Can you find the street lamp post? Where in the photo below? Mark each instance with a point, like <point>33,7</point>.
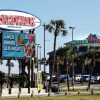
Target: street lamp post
<point>44,45</point>
<point>72,28</point>
<point>40,55</point>
<point>37,55</point>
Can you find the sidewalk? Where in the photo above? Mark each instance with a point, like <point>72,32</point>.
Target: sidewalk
<point>34,92</point>
<point>51,94</point>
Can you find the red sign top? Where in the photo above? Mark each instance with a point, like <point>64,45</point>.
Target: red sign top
<point>17,20</point>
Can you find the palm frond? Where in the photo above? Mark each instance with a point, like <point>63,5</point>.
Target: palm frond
<point>61,23</point>
<point>57,26</point>
<point>49,28</point>
<point>53,22</point>
<point>64,32</point>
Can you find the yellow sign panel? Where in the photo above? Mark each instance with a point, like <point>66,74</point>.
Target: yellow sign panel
<point>39,77</point>
<point>39,88</point>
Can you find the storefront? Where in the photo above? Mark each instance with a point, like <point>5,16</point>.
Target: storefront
<point>91,42</point>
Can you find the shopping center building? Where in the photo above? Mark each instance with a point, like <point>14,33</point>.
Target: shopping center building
<point>86,47</point>
<point>90,46</point>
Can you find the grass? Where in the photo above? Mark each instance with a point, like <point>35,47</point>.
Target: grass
<point>84,90</point>
<point>81,97</point>
<point>84,84</point>
<point>77,89</point>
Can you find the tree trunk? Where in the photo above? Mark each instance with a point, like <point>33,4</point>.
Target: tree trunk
<point>19,75</point>
<point>29,76</point>
<point>66,64</point>
<point>23,72</point>
<point>54,56</point>
<point>0,88</point>
<point>51,67</point>
<point>91,70</point>
<point>58,75</point>
<point>54,52</point>
<point>73,73</point>
<point>9,83</point>
<point>82,74</point>
<point>9,69</point>
<point>32,73</point>
<point>68,80</point>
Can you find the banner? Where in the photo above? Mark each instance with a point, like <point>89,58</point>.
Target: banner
<point>92,39</point>
<point>39,77</point>
<point>18,45</point>
<point>40,88</point>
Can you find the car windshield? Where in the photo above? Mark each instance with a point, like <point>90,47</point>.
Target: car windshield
<point>85,76</point>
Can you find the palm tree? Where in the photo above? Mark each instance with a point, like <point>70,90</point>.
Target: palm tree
<point>71,54</point>
<point>84,62</point>
<point>2,75</point>
<point>32,72</point>
<point>9,64</point>
<point>2,80</point>
<point>57,64</point>
<point>92,65</point>
<point>57,27</point>
<point>67,70</point>
<point>22,71</point>
<point>64,58</point>
<point>29,65</point>
<point>89,58</point>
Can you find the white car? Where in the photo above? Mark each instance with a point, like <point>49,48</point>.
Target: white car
<point>48,77</point>
<point>97,78</point>
<point>78,77</point>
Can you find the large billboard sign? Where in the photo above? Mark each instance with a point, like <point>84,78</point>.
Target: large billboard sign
<point>18,20</point>
<point>18,45</point>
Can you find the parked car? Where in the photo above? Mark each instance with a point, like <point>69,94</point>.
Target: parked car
<point>97,78</point>
<point>83,78</point>
<point>92,79</point>
<point>78,77</point>
<point>54,78</point>
<point>69,79</point>
<point>64,79</point>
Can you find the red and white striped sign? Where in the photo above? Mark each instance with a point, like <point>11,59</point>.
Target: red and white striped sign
<point>17,20</point>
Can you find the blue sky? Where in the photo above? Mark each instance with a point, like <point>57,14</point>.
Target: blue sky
<point>84,15</point>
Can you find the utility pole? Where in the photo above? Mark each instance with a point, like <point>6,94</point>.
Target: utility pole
<point>37,56</point>
<point>44,54</point>
<point>44,47</point>
<point>40,56</point>
<point>72,28</point>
